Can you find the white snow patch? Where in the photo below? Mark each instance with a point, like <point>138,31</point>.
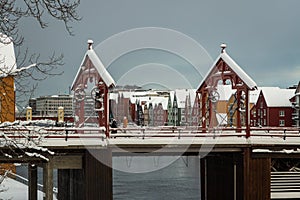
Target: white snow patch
<point>12,189</point>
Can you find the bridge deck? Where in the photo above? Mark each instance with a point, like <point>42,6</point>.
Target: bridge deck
<point>262,140</point>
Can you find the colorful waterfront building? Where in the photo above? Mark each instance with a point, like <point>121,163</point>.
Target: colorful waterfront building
<point>273,108</point>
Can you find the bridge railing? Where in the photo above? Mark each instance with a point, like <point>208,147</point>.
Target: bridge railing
<point>143,132</point>
<point>194,131</point>
<point>52,132</point>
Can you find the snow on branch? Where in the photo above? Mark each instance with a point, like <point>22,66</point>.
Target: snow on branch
<point>15,72</point>
<point>23,138</point>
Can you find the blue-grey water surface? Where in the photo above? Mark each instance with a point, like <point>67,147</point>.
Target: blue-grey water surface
<point>179,180</point>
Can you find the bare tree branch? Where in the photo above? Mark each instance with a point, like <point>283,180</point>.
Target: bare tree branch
<point>11,11</point>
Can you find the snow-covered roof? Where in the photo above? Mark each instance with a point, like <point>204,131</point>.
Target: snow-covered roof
<point>7,54</point>
<point>234,67</point>
<point>160,100</point>
<point>181,95</point>
<point>106,77</point>
<point>277,97</point>
<point>145,97</point>
<point>253,95</point>
<point>238,70</point>
<point>108,80</point>
<point>113,96</point>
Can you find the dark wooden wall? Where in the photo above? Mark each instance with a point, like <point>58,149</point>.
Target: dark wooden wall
<point>257,177</point>
<point>219,180</point>
<point>70,184</point>
<point>94,181</point>
<point>252,175</point>
<point>98,176</point>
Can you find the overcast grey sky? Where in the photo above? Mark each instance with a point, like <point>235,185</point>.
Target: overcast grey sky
<point>262,36</point>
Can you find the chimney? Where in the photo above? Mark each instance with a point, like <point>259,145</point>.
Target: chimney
<point>223,47</point>
<point>90,43</point>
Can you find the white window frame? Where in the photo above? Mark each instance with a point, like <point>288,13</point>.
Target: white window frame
<point>281,122</point>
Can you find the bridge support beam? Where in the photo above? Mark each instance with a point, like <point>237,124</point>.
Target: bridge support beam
<point>71,184</point>
<point>98,174</point>
<point>235,176</point>
<point>32,185</point>
<point>257,177</point>
<point>221,177</point>
<point>87,177</point>
<point>48,181</point>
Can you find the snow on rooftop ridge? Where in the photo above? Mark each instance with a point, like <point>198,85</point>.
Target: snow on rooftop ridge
<point>234,66</point>
<point>109,81</point>
<point>90,43</point>
<point>239,71</point>
<point>107,78</point>
<point>7,55</point>
<point>277,97</point>
<point>254,94</point>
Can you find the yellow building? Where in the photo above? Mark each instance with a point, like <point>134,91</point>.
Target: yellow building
<point>7,87</point>
<point>7,99</point>
<point>232,112</point>
<point>225,92</point>
<point>232,107</point>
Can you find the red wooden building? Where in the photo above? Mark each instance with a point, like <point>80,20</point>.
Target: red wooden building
<point>227,72</point>
<point>90,87</point>
<point>273,108</point>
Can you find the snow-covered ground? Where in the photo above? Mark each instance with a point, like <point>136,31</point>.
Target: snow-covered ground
<point>14,190</point>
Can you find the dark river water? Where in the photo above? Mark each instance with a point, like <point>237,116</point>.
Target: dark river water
<point>178,180</point>
<point>163,177</point>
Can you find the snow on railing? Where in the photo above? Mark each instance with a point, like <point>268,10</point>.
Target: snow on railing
<point>195,131</point>
<point>33,133</point>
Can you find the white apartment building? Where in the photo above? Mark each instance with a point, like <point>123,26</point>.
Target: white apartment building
<point>48,105</point>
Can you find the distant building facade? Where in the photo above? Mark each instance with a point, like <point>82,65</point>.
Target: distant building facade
<point>48,105</point>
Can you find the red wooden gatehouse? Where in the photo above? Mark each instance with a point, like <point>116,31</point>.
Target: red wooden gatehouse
<point>90,87</point>
<point>227,72</point>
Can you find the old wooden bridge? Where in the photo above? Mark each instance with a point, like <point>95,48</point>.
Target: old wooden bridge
<point>233,166</point>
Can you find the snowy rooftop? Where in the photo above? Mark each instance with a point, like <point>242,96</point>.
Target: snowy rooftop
<point>277,97</point>
<point>7,54</point>
<point>181,96</point>
<point>234,67</point>
<point>107,78</point>
<point>253,95</point>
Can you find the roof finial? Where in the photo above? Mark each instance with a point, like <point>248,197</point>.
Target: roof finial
<point>90,43</point>
<point>223,47</point>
